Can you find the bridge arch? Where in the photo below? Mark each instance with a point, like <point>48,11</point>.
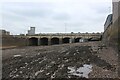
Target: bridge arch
<point>89,39</point>
<point>54,41</point>
<point>44,41</point>
<point>33,41</point>
<point>94,39</point>
<point>66,40</point>
<point>77,39</point>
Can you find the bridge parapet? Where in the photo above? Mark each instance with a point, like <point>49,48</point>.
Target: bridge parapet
<point>64,34</point>
<point>59,38</point>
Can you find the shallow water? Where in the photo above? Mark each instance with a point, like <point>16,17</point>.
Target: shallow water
<point>81,71</point>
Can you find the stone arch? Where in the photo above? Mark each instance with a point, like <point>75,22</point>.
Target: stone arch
<point>44,41</point>
<point>66,40</point>
<point>77,39</point>
<point>54,41</point>
<point>33,41</point>
<point>89,39</point>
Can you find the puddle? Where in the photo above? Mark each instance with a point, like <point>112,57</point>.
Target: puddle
<point>81,71</point>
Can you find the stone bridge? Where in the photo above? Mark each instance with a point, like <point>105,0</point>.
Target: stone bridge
<point>61,38</point>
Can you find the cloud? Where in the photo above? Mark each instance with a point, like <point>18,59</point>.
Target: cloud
<point>61,16</point>
<point>51,16</point>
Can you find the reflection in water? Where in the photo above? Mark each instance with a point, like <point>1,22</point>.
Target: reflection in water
<point>81,71</point>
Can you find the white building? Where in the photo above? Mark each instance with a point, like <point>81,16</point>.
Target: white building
<point>31,31</point>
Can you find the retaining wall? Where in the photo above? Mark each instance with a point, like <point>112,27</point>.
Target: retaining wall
<point>112,33</point>
<point>13,41</point>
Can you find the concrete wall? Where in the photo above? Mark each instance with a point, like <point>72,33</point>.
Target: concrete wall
<point>115,11</point>
<point>13,41</point>
<point>119,24</point>
<point>110,35</point>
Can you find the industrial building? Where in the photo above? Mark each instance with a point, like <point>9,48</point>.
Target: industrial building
<point>31,31</point>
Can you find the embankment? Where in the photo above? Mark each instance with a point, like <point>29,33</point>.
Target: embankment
<point>10,41</point>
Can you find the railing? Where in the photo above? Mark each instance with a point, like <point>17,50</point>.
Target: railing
<point>67,34</point>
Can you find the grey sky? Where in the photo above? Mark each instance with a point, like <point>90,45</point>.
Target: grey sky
<point>50,16</point>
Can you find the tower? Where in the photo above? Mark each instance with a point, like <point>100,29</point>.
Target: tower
<point>31,31</point>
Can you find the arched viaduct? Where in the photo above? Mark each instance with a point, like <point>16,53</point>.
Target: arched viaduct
<point>52,39</point>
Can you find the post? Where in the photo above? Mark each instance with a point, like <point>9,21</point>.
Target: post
<point>60,40</point>
<point>38,41</point>
<point>70,40</point>
<point>73,40</point>
<point>49,41</point>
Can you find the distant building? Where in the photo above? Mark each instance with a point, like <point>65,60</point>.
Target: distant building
<point>108,21</point>
<point>4,32</point>
<point>31,31</point>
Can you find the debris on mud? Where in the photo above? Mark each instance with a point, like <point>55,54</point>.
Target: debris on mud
<point>81,71</point>
<point>59,61</point>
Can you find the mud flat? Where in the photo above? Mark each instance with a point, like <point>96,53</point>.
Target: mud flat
<point>79,60</point>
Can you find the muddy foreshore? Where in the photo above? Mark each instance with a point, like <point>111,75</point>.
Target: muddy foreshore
<point>60,61</point>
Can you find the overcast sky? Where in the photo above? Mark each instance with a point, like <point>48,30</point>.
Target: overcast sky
<point>51,16</point>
